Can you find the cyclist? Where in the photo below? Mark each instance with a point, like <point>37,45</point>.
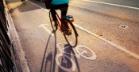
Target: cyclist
<point>63,6</point>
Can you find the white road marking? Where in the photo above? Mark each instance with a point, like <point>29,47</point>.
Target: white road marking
<point>97,36</point>
<point>111,43</point>
<point>46,29</point>
<point>124,6</point>
<point>80,51</point>
<point>66,58</point>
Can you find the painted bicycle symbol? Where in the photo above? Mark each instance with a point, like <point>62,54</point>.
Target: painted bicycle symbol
<point>64,56</point>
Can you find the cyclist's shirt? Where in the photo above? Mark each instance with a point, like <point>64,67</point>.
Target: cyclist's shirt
<point>59,2</point>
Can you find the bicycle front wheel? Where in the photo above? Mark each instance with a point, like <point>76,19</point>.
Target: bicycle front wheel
<point>73,38</point>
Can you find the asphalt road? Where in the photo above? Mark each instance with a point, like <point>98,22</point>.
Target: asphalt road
<point>110,32</point>
<point>133,3</point>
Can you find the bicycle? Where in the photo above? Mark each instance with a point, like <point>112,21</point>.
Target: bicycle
<point>69,19</point>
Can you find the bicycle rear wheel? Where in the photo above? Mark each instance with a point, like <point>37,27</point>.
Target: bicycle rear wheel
<point>73,38</point>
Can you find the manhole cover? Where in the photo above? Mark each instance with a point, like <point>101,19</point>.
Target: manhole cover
<point>123,26</point>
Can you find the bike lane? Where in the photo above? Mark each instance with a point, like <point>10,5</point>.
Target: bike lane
<point>108,57</point>
<point>33,27</point>
<point>93,55</point>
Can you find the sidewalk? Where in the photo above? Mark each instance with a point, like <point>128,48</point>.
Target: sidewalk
<point>20,59</point>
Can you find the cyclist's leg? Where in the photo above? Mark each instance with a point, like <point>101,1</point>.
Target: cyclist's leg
<point>53,13</point>
<point>65,27</point>
<point>64,10</point>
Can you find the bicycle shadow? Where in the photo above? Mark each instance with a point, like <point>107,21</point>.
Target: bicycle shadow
<point>48,61</point>
<point>65,62</point>
<point>47,58</point>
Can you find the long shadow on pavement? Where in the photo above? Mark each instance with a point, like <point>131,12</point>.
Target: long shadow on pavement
<point>49,59</point>
<point>66,62</point>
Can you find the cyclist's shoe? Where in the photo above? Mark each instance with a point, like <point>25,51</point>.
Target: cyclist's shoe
<point>65,29</point>
<point>67,32</point>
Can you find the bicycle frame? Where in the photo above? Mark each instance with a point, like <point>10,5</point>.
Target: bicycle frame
<point>58,19</point>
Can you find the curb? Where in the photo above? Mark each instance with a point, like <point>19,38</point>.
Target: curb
<point>20,60</point>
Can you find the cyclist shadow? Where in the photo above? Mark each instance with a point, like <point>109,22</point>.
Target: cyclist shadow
<point>48,61</point>
<point>66,62</point>
<point>47,58</point>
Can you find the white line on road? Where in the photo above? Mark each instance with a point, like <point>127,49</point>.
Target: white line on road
<point>46,29</point>
<point>131,7</point>
<point>99,37</point>
<point>111,43</point>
